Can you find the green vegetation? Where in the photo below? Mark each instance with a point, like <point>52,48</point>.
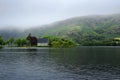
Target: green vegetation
<point>86,31</point>
<point>114,42</point>
<point>60,42</point>
<point>1,47</point>
<point>10,41</point>
<point>1,41</point>
<point>13,42</point>
<point>21,42</point>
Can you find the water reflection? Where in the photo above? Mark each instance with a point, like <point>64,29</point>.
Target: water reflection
<point>98,62</point>
<point>83,63</point>
<point>87,55</point>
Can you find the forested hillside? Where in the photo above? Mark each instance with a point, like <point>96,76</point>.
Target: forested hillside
<point>85,30</point>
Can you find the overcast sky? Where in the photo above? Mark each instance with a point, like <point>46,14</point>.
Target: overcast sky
<point>27,13</point>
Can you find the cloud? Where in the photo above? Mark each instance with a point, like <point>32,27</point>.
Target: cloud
<point>3,8</point>
<point>38,12</point>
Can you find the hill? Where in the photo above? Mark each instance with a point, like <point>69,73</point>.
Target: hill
<point>84,30</point>
<point>9,33</point>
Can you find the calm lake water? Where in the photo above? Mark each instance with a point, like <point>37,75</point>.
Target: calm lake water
<point>81,63</point>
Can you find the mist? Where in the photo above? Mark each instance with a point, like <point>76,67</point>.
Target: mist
<point>25,14</point>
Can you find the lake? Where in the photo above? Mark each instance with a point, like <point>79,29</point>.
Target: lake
<point>81,63</point>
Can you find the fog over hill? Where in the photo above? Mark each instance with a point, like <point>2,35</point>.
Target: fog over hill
<point>85,28</point>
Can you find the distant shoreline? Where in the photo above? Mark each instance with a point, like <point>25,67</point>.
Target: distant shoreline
<point>55,48</point>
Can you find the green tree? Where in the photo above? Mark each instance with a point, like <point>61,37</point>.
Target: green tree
<point>60,42</point>
<point>10,41</point>
<point>21,42</point>
<point>1,41</point>
<point>24,42</point>
<point>18,42</point>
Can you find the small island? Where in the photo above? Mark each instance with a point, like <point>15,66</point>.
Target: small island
<point>33,41</point>
<point>53,41</point>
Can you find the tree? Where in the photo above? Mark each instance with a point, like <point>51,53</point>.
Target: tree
<point>1,40</point>
<point>18,42</point>
<point>116,41</point>
<point>60,42</point>
<point>21,42</point>
<point>24,42</point>
<point>10,41</point>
